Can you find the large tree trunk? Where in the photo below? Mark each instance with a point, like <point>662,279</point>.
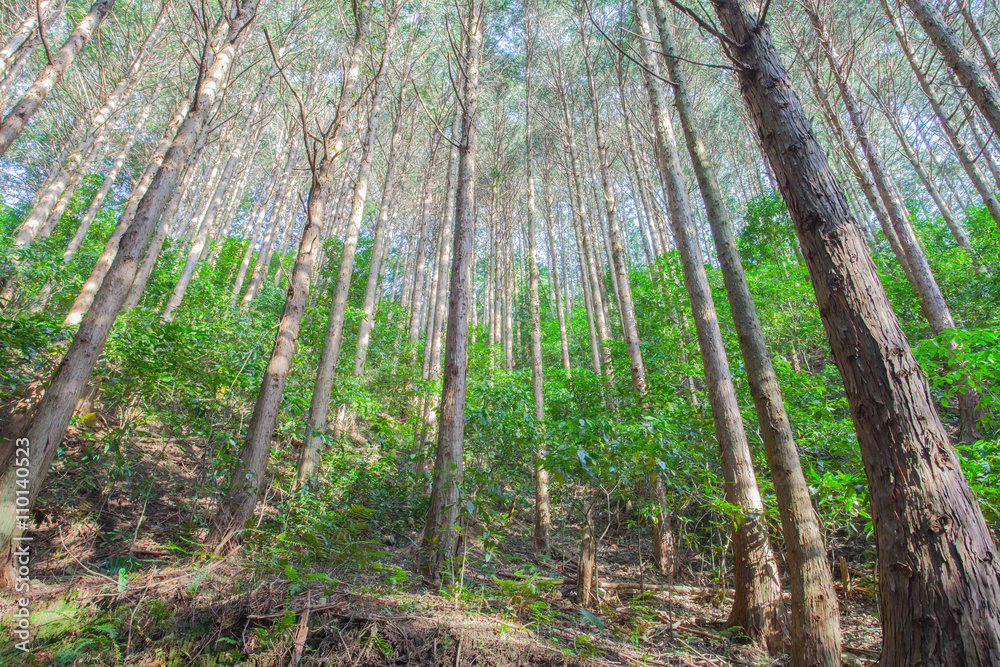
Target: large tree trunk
<point>109,180</point>
<point>433,342</point>
<point>47,427</point>
<point>22,112</point>
<point>757,596</point>
<point>938,568</point>
<point>89,289</point>
<point>441,530</point>
<point>815,622</point>
<point>42,218</point>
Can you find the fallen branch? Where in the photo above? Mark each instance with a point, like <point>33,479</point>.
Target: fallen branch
<point>301,633</point>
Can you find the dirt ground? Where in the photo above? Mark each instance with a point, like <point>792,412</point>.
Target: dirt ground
<point>111,587</point>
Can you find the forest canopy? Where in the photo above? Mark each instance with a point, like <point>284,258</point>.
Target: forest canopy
<point>651,332</point>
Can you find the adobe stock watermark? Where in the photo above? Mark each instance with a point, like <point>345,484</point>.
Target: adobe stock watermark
<point>21,545</point>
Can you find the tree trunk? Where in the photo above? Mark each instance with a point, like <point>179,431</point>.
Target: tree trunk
<point>936,559</point>
<point>433,343</point>
<point>273,230</point>
<point>22,36</point>
<point>665,556</point>
<point>932,302</point>
<point>240,500</point>
<point>197,249</point>
<point>22,112</point>
<point>976,176</point>
<point>815,623</point>
<point>241,272</point>
<point>757,602</point>
<point>109,179</point>
<point>600,321</point>
<point>961,62</point>
<point>53,202</point>
<point>330,353</point>
<point>557,286</point>
<point>861,175</point>
<point>441,529</point>
<point>93,283</point>
<point>586,566</point>
<point>153,251</point>
<point>985,47</point>
<point>620,280</point>
<point>957,230</point>
<point>543,518</point>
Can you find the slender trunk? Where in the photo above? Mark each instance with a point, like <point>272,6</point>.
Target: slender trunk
<point>587,290</point>
<point>757,596</point>
<point>983,150</point>
<point>961,62</point>
<point>665,553</point>
<point>42,218</point>
<point>417,287</point>
<point>443,258</point>
<point>20,58</point>
<point>860,174</point>
<point>22,112</point>
<point>626,309</point>
<point>557,286</point>
<point>273,230</point>
<point>932,302</point>
<point>94,282</point>
<point>441,530</point>
<point>586,568</point>
<point>600,321</point>
<point>25,30</point>
<point>197,249</point>
<point>330,352</point>
<point>957,230</point>
<point>543,515</point>
<point>815,623</point>
<point>936,559</point>
<point>988,53</point>
<point>162,229</point>
<point>241,273</point>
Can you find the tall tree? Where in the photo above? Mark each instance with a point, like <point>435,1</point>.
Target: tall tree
<point>441,529</point>
<point>936,558</point>
<point>815,627</point>
<point>757,595</point>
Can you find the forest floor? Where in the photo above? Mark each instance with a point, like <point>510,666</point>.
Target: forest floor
<point>111,586</point>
